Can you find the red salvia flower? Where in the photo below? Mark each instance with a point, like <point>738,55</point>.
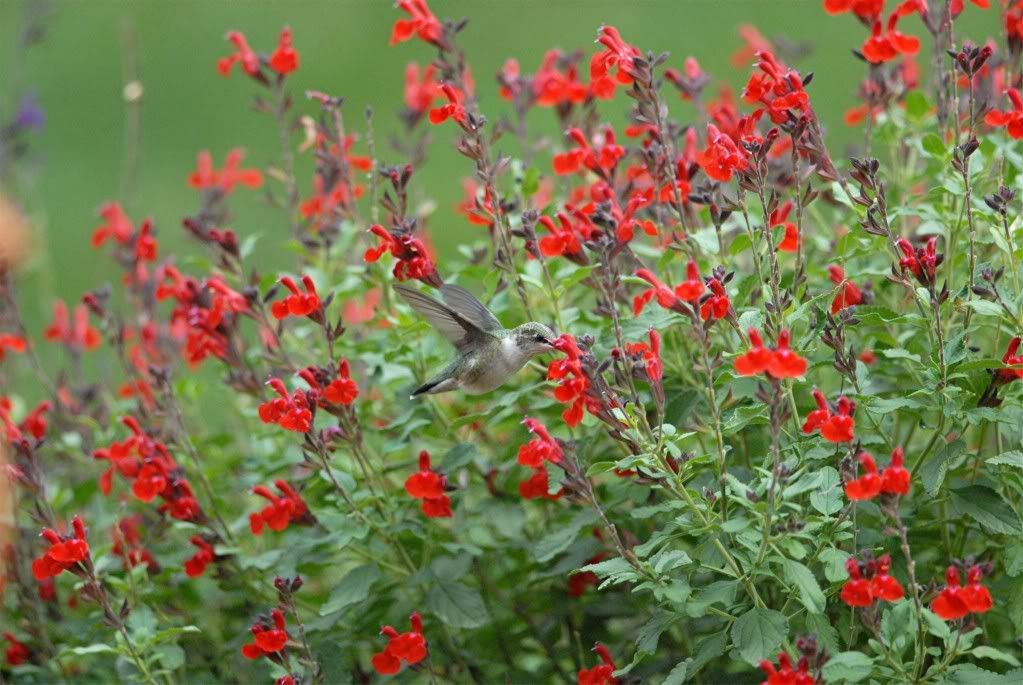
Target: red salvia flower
<point>921,262</point>
<point>756,359</point>
<point>454,109</point>
<point>409,647</point>
<point>282,510</point>
<point>413,257</point>
<point>784,362</point>
<point>541,448</point>
<point>291,412</point>
<point>298,303</point>
<point>196,565</point>
<point>778,88</point>
<point>64,553</point>
<point>785,674</point>
<point>865,10</point>
<point>950,604</point>
<point>722,157</point>
<point>563,239</point>
<point>976,597</point>
<point>267,638</point>
<point>602,674</point>
<point>884,586</point>
<point>617,55</point>
<point>717,305</point>
<point>573,384</point>
<point>692,288</point>
<point>226,179</point>
<point>779,217</point>
<point>421,22</point>
<point>866,486</point>
<point>16,652</point>
<point>837,427</point>
<point>888,44</point>
<point>78,334</point>
<point>856,591</point>
<point>242,55</point>
<point>603,158</point>
<point>284,59</point>
<point>849,294</point>
<point>341,390</point>
<point>429,486</point>
<point>650,355</point>
<point>420,88</point>
<point>895,479</point>
<point>537,486</point>
<point>1011,119</point>
<point>1012,359</point>
<point>11,343</point>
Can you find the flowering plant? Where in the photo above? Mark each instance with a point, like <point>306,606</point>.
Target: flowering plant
<point>684,485</point>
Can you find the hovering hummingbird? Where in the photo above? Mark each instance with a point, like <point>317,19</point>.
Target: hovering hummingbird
<point>488,353</point>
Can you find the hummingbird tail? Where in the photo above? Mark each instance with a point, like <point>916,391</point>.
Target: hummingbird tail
<point>433,386</point>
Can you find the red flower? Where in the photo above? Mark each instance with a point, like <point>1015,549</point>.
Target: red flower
<point>284,59</point>
<point>563,239</point>
<point>691,288</point>
<point>976,597</point>
<point>118,226</point>
<point>149,482</point>
<point>243,54</point>
<point>895,479</point>
<point>786,675</point>
<point>64,553</point>
<point>837,427</point>
<point>780,362</point>
<point>413,258</point>
<point>617,54</point>
<point>282,510</point>
<point>341,390</point>
<point>856,591</point>
<point>950,603</point>
<point>866,486</point>
<point>1012,119</point>
<point>602,159</point>
<point>537,486</point>
<point>666,297</point>
<point>889,44</point>
<point>429,486</point>
<point>421,22</point>
<point>454,109</point>
<point>756,359</point>
<point>777,87</point>
<point>717,305</point>
<point>922,262</point>
<point>16,652</point>
<point>298,303</point>
<point>650,355</point>
<point>196,565</point>
<point>849,295</point>
<point>865,10</point>
<point>574,384</point>
<point>602,673</point>
<point>884,586</point>
<point>290,412</point>
<point>541,448</point>
<point>14,343</point>
<point>79,335</point>
<point>226,179</point>
<point>267,638</point>
<point>1011,359</point>
<point>722,157</point>
<point>790,242</point>
<point>420,94</point>
<point>409,647</point>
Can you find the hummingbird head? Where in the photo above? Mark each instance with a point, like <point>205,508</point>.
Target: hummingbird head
<point>533,338</point>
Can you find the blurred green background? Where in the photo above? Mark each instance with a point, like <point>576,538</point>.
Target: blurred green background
<point>78,75</point>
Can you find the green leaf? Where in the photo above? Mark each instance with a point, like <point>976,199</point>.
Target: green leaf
<point>986,507</point>
<point>457,605</point>
<point>917,106</point>
<point>678,674</point>
<point>758,633</point>
<point>557,542</point>
<point>827,497</point>
<point>985,652</point>
<point>1013,458</point>
<point>847,667</point>
<point>1014,558</point>
<point>932,473</point>
<point>985,308</point>
<point>810,593</point>
<point>834,564</point>
<point>530,181</point>
<point>708,648</point>
<point>821,626</point>
<point>720,591</point>
<point>650,632</point>
<point>933,146</point>
<point>97,648</point>
<point>353,588</point>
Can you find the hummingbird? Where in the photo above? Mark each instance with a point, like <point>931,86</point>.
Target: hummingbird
<point>488,353</point>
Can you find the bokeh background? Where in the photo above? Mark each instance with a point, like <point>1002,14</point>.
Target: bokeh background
<point>78,74</point>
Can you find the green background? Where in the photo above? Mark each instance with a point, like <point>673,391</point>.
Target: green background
<point>78,74</point>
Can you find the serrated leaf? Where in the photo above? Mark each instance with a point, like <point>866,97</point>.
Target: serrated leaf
<point>353,588</point>
<point>758,633</point>
<point>827,498</point>
<point>810,593</point>
<point>457,605</point>
<point>678,675</point>
<point>558,541</point>
<point>986,507</point>
<point>1013,458</point>
<point>847,667</point>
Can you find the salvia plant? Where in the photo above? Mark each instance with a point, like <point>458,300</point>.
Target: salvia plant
<point>756,415</point>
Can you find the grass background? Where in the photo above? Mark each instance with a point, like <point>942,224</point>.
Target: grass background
<point>78,75</point>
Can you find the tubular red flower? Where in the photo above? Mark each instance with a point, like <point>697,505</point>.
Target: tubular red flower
<point>895,479</point>
<point>409,647</point>
<point>602,674</point>
<point>284,59</point>
<point>950,604</point>
<point>421,23</point>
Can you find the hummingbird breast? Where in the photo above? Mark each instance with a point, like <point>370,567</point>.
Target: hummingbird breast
<point>487,368</point>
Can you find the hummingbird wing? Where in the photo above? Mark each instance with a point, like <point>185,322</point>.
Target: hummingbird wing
<point>460,331</point>
<point>466,304</point>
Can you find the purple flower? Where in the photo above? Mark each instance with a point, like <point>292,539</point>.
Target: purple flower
<point>30,114</point>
